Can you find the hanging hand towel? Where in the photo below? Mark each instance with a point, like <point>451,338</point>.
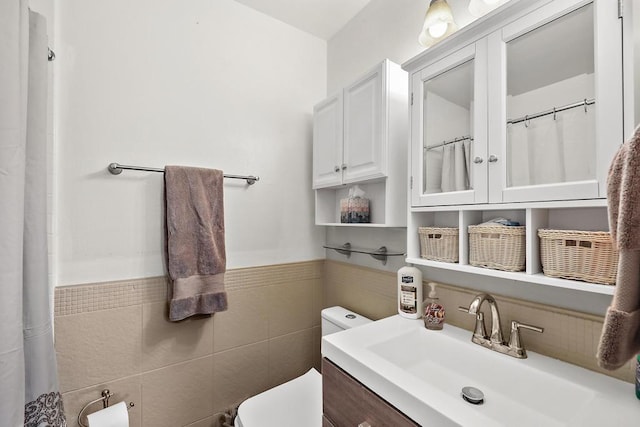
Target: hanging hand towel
<point>620,339</point>
<point>195,241</point>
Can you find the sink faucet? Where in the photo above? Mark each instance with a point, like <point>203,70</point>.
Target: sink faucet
<point>474,308</point>
<point>495,342</point>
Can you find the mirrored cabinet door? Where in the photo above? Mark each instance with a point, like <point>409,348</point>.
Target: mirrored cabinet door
<point>449,130</point>
<point>557,117</point>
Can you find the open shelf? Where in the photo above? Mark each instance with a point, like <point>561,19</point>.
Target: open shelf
<point>585,215</point>
<point>537,278</point>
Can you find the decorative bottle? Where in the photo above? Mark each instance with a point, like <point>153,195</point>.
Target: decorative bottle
<point>433,310</point>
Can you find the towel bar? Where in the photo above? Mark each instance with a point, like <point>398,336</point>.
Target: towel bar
<point>116,169</point>
<point>380,254</point>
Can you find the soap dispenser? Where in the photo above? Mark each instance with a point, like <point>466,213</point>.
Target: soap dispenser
<point>433,310</point>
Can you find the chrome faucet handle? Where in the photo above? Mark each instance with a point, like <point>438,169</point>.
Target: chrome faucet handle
<point>480,330</point>
<point>515,342</point>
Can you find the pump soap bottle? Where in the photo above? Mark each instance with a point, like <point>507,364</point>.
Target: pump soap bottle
<point>410,292</point>
<point>433,310</point>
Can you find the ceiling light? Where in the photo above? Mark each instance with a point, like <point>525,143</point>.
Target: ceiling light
<point>438,23</point>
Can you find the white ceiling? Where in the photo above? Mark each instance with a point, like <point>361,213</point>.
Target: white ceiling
<point>322,18</point>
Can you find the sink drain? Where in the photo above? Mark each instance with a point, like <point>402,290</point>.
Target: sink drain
<point>473,395</point>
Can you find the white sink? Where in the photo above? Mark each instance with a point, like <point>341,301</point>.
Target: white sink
<point>422,373</point>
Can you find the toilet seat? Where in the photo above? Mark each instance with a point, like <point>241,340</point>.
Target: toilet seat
<point>295,403</point>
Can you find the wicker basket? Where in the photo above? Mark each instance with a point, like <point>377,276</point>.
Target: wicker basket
<point>439,243</point>
<point>580,255</point>
<point>499,247</point>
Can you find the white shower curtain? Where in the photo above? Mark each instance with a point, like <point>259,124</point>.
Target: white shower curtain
<point>30,395</point>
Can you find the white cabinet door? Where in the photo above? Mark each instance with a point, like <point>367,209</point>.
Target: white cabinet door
<point>555,103</point>
<point>365,127</point>
<point>327,142</point>
<point>449,130</point>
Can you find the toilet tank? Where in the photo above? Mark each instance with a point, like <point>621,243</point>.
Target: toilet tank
<point>336,319</point>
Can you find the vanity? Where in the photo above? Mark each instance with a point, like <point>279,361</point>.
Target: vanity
<point>394,372</point>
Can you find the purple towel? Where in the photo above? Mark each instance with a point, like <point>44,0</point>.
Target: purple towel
<point>195,241</point>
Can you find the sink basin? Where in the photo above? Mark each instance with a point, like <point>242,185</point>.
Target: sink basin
<point>422,373</point>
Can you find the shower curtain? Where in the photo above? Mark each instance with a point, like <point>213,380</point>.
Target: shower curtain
<point>549,150</point>
<point>30,395</point>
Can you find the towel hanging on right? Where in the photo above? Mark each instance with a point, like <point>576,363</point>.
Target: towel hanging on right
<point>620,339</point>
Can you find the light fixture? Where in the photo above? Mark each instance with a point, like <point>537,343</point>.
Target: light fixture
<point>438,23</point>
<point>482,7</point>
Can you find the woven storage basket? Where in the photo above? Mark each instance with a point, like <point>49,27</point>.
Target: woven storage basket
<point>499,247</point>
<point>439,243</point>
<point>579,255</point>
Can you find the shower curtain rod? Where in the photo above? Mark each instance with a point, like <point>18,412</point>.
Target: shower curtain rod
<point>553,111</point>
<point>443,143</point>
<point>116,169</point>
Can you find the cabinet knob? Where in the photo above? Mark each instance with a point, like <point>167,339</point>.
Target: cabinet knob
<point>492,159</point>
<point>344,166</point>
<point>336,168</point>
<point>364,424</point>
<point>478,160</point>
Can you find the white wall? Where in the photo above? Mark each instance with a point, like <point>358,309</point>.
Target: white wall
<point>383,29</point>
<point>200,83</point>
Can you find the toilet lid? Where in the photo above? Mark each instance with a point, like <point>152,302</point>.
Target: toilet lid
<point>293,404</point>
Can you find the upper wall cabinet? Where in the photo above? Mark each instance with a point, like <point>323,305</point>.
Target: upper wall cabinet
<point>449,128</point>
<point>528,110</point>
<point>327,142</point>
<point>360,137</point>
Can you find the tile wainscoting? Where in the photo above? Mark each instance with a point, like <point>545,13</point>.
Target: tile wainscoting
<point>116,335</point>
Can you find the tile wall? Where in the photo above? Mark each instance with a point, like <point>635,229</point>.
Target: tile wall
<point>116,335</point>
<point>568,335</point>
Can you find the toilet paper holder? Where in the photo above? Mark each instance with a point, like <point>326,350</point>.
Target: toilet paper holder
<point>106,394</point>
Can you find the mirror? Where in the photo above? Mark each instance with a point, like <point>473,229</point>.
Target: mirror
<point>550,97</point>
<point>448,130</point>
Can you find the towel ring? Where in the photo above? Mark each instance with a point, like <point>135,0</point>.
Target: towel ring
<point>106,394</point>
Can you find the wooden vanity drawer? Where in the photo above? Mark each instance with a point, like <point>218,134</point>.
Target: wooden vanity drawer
<point>347,403</point>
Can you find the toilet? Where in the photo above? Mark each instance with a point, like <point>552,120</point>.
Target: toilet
<point>298,402</point>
